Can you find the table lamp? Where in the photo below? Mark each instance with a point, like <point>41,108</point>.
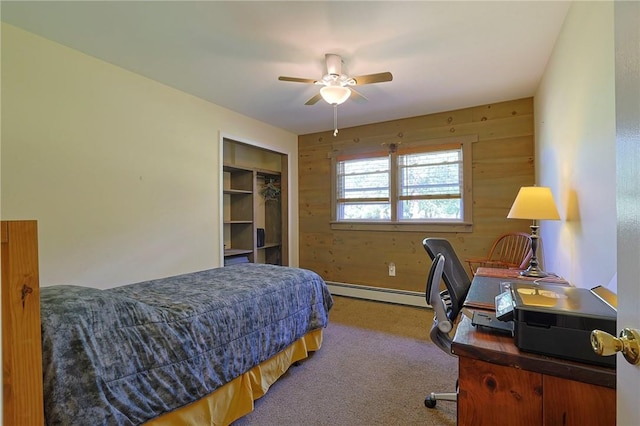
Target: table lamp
<point>534,203</point>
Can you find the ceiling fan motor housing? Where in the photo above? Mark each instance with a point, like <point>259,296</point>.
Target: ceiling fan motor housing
<point>334,64</point>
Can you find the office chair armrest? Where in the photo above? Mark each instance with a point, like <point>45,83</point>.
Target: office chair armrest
<point>441,309</point>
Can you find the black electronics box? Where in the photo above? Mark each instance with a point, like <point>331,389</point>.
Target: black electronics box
<point>557,320</point>
<point>260,237</point>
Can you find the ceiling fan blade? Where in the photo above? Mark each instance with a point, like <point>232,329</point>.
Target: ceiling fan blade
<point>373,78</point>
<point>297,80</point>
<point>315,98</point>
<point>357,96</point>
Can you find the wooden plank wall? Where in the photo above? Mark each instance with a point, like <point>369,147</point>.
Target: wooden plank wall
<point>502,163</point>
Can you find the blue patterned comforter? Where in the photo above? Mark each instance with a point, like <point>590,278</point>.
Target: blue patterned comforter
<point>128,354</point>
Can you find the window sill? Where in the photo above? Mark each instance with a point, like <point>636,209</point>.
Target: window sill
<point>403,226</point>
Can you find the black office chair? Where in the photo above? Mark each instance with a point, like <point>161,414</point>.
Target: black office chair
<point>454,275</point>
<point>447,303</point>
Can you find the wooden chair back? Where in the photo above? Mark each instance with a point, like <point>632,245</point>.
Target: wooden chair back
<point>510,250</point>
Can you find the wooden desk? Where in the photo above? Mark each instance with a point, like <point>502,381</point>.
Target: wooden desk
<point>499,384</point>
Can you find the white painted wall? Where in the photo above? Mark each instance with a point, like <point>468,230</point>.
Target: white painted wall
<point>576,147</point>
<point>121,172</point>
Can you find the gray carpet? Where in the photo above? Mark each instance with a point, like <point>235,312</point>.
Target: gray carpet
<point>375,367</point>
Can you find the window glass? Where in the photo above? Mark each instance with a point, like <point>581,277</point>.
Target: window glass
<point>366,211</point>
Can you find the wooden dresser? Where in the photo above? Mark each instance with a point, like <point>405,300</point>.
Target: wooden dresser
<point>21,337</point>
<point>499,384</point>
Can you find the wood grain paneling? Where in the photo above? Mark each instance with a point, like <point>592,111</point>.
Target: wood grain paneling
<point>503,161</point>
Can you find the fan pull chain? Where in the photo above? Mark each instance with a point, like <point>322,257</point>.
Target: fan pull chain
<point>335,120</point>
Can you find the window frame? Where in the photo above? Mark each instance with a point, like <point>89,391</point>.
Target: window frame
<point>393,151</point>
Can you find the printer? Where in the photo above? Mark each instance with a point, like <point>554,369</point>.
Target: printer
<point>557,320</point>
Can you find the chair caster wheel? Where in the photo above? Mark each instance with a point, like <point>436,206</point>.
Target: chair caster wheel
<point>429,402</point>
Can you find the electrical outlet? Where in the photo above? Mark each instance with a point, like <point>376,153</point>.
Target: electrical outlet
<point>392,269</point>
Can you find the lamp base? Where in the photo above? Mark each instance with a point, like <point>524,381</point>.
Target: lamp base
<point>534,272</point>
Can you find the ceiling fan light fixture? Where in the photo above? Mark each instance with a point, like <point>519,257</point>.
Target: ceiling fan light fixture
<point>335,95</point>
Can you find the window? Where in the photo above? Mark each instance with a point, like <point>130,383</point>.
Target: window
<point>423,183</point>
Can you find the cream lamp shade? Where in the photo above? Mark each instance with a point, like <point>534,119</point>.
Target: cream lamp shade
<point>534,202</point>
<point>335,95</point>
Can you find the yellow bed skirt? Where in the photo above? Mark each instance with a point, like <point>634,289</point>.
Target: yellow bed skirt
<point>235,399</point>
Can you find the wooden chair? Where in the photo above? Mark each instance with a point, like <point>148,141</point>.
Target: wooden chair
<point>509,251</point>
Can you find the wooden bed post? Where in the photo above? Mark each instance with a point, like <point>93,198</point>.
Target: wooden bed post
<point>21,338</point>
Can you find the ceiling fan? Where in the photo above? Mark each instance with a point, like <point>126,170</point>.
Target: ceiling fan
<point>336,87</point>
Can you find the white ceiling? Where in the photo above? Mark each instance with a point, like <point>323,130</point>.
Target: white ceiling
<point>443,55</point>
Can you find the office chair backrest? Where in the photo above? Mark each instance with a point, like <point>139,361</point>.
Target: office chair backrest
<point>454,274</point>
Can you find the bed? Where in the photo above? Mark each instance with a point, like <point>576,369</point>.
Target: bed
<point>191,349</point>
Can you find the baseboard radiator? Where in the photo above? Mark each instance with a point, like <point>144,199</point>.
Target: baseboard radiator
<point>401,297</point>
